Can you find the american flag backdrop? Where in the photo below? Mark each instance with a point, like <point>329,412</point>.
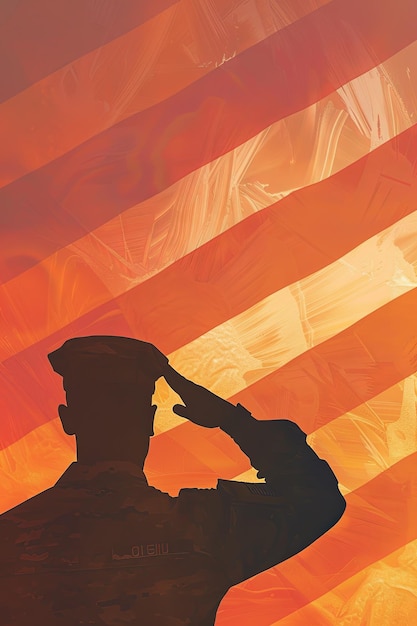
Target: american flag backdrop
<point>235,182</point>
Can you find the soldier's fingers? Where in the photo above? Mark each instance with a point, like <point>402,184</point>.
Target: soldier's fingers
<point>173,377</point>
<point>178,383</point>
<point>181,410</point>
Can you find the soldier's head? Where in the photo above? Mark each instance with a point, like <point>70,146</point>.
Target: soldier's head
<point>109,383</point>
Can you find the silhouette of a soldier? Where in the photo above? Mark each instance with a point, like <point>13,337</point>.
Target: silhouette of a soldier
<point>102,547</point>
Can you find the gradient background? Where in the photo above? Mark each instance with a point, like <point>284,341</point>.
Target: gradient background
<point>234,181</point>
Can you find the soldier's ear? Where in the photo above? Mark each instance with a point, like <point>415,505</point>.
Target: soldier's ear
<point>65,417</point>
<point>152,416</point>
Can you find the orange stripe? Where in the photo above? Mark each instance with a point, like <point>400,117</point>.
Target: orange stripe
<point>131,73</point>
<point>269,250</point>
<point>39,36</point>
<point>148,152</point>
<point>380,517</point>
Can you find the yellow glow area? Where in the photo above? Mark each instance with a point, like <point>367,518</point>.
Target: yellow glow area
<point>383,594</point>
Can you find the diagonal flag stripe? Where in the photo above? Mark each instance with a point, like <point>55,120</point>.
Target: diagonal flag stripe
<point>342,372</point>
<point>148,152</point>
<point>377,521</point>
<point>131,73</point>
<point>269,250</point>
<point>39,36</point>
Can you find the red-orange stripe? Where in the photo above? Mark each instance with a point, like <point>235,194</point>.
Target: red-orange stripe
<point>146,153</point>
<point>40,36</point>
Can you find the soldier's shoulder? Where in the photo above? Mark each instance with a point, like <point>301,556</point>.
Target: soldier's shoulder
<point>232,490</point>
<point>21,526</point>
<point>259,493</point>
<point>34,508</point>
<point>31,504</point>
<point>190,499</point>
<point>198,495</point>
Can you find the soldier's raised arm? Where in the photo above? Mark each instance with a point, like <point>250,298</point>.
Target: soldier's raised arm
<point>300,501</point>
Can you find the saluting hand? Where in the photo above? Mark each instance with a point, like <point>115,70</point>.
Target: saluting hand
<point>201,405</point>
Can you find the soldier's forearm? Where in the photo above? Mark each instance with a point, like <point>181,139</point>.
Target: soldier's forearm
<point>277,448</point>
<point>270,445</point>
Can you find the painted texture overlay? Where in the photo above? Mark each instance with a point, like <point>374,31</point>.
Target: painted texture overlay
<point>235,180</point>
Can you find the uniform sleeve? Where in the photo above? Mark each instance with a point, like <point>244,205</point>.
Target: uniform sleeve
<point>298,503</point>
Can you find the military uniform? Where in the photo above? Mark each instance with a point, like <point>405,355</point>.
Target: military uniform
<point>102,547</point>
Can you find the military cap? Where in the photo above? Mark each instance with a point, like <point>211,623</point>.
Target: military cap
<point>104,358</point>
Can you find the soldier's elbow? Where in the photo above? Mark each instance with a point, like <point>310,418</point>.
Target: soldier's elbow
<point>332,511</point>
<point>338,508</point>
<point>329,499</point>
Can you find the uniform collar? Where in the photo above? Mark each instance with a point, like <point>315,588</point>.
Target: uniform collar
<point>77,472</point>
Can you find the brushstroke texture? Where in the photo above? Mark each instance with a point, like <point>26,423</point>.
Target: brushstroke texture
<point>302,328</point>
